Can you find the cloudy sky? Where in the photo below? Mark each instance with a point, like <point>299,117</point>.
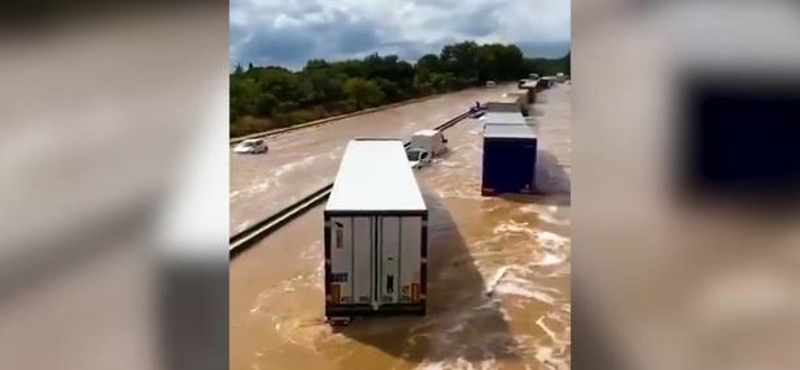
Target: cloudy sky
<point>289,32</point>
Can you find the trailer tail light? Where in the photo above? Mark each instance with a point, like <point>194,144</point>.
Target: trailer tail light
<point>335,296</point>
<point>415,293</point>
<point>339,235</point>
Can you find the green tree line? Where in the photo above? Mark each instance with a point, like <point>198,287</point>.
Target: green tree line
<point>267,97</point>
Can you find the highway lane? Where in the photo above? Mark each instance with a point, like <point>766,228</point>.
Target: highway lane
<point>301,161</point>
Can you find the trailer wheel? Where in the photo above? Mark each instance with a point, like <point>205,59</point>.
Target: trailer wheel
<point>339,321</point>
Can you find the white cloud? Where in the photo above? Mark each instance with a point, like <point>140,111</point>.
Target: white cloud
<point>273,31</point>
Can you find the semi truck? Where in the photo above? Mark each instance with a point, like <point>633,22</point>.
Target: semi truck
<point>376,239</point>
<point>509,102</point>
<point>509,159</point>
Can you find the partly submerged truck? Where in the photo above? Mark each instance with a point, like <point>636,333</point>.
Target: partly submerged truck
<point>509,158</point>
<point>424,145</point>
<point>376,239</point>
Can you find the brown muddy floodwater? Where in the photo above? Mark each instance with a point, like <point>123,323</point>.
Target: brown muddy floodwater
<point>500,276</point>
<point>304,160</point>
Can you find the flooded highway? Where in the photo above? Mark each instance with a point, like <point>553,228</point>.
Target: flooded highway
<point>499,270</point>
<point>304,160</point>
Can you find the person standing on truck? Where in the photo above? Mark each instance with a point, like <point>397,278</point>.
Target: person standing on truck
<point>475,108</point>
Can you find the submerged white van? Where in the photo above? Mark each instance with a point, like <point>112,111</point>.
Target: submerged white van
<point>425,145</point>
<point>432,141</point>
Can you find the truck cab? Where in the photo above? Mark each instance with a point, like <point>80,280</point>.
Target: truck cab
<point>431,141</point>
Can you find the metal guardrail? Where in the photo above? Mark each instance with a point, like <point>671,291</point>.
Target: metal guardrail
<point>239,241</point>
<point>242,240</point>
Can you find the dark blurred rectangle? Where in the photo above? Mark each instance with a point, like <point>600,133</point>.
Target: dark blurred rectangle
<point>742,136</point>
<point>113,189</point>
<point>685,184</point>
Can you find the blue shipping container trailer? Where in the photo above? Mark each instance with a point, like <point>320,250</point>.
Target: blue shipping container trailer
<point>509,159</point>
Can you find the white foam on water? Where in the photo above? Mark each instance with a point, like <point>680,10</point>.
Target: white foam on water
<point>260,301</point>
<point>480,243</point>
<point>495,279</point>
<point>457,328</point>
<point>274,177</point>
<point>258,188</point>
<point>459,364</point>
<point>313,251</point>
<point>284,286</point>
<point>512,289</point>
<point>440,365</point>
<point>545,356</point>
<point>471,194</point>
<point>506,315</point>
<point>550,259</point>
<point>550,333</point>
<point>512,226</point>
<point>447,163</point>
<point>551,241</point>
<point>547,214</point>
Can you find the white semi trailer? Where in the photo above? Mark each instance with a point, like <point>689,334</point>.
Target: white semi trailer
<point>375,234</point>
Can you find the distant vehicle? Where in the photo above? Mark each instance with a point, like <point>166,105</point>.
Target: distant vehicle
<point>251,146</point>
<point>533,76</point>
<point>545,83</point>
<point>418,158</point>
<point>376,238</point>
<point>432,141</point>
<point>490,83</point>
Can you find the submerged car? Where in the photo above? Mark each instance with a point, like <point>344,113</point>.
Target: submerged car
<point>418,157</point>
<point>251,146</point>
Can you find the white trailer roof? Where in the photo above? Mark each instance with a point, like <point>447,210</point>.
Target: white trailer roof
<point>508,103</point>
<point>375,175</point>
<point>507,98</point>
<point>503,117</point>
<point>517,131</point>
<point>427,132</point>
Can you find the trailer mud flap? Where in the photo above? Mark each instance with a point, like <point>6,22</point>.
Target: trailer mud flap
<point>336,294</point>
<point>414,293</point>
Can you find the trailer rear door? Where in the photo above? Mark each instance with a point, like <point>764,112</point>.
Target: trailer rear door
<point>399,259</point>
<point>508,165</point>
<point>376,260</point>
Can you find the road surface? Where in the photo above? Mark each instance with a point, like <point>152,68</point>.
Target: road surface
<point>499,294</point>
<point>301,161</point>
